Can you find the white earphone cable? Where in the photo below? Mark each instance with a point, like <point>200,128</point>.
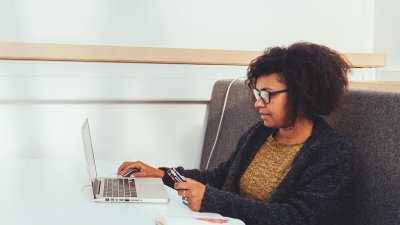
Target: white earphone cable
<point>220,121</point>
<point>112,174</point>
<point>84,194</point>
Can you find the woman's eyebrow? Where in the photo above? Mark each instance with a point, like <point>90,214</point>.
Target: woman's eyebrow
<point>264,89</point>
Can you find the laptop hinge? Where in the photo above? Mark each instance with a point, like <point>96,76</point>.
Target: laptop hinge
<point>96,187</point>
<point>99,187</point>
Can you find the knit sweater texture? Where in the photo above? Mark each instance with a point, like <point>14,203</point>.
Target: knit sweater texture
<point>313,192</point>
<point>267,169</point>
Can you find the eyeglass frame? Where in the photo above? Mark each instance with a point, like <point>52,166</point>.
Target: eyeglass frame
<point>267,98</point>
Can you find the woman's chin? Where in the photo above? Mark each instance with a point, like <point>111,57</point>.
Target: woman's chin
<point>268,124</point>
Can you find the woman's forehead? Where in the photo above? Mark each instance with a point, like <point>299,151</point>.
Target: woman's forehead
<point>270,81</point>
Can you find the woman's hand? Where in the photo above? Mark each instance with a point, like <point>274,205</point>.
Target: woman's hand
<point>145,170</point>
<point>191,191</point>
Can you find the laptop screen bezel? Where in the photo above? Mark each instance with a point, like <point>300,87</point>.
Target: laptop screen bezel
<point>89,155</point>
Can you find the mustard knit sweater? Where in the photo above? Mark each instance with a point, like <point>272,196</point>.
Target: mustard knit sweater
<point>267,169</point>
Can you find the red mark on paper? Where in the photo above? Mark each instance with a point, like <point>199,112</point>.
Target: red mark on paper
<point>213,220</point>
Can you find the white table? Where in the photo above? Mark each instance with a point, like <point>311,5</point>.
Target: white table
<point>44,191</point>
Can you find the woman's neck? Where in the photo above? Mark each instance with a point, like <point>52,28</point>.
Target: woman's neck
<point>296,133</point>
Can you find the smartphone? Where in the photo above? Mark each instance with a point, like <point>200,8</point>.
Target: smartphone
<point>175,176</point>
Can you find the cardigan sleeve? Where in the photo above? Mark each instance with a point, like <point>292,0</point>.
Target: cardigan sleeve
<point>214,177</point>
<point>309,204</point>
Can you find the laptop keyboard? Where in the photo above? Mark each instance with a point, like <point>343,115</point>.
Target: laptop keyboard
<point>115,188</point>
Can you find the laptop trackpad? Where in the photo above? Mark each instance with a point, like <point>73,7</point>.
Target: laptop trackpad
<point>150,188</point>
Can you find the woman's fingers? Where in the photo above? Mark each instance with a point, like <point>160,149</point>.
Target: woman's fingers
<point>182,193</point>
<point>128,165</point>
<point>191,191</point>
<point>182,185</point>
<point>144,170</point>
<point>121,167</point>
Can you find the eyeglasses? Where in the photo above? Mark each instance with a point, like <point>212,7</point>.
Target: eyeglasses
<point>266,95</point>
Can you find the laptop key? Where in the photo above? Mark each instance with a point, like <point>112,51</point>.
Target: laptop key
<point>120,188</point>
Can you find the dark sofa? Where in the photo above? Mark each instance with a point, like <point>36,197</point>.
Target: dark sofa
<point>371,121</point>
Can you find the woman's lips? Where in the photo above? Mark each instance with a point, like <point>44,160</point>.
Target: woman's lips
<point>264,116</point>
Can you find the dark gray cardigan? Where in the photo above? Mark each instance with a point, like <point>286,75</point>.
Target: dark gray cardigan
<point>314,190</point>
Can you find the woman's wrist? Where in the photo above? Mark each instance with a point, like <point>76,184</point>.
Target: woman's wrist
<point>161,173</point>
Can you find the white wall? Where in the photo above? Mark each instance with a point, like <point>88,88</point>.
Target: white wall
<point>43,104</point>
<point>387,36</point>
<point>224,24</point>
<point>151,112</point>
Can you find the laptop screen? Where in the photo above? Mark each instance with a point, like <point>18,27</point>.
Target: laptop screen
<point>87,145</point>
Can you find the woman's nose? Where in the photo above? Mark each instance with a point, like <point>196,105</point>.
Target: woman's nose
<point>259,103</point>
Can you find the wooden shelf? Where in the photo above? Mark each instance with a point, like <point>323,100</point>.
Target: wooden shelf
<point>375,85</point>
<point>123,54</point>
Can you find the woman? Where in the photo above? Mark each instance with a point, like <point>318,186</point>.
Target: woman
<point>290,168</point>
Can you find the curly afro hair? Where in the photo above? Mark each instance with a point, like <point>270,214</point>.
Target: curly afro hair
<point>315,75</point>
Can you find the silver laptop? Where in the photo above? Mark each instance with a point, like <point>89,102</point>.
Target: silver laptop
<point>118,189</point>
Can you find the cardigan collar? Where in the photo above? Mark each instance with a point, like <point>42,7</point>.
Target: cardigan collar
<point>258,136</point>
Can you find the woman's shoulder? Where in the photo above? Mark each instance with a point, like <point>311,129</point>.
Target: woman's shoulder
<point>323,131</point>
<point>329,141</point>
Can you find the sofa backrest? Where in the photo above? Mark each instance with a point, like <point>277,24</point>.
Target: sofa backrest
<point>371,121</point>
